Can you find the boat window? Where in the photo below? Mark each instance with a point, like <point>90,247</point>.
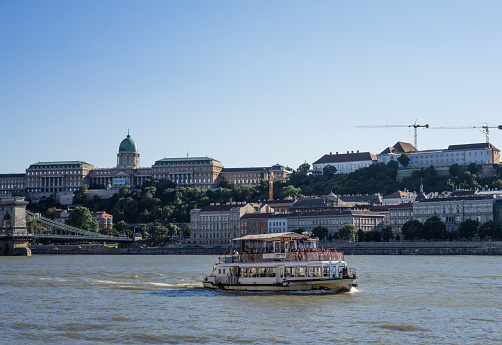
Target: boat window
<point>219,270</point>
<point>300,271</point>
<point>252,272</point>
<point>334,271</point>
<point>314,271</point>
<point>271,272</point>
<point>244,272</point>
<point>289,271</point>
<point>325,271</point>
<point>261,272</point>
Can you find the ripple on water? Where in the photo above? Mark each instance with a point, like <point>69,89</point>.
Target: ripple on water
<point>402,327</point>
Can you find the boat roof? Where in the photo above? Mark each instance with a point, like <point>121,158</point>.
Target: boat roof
<point>282,236</point>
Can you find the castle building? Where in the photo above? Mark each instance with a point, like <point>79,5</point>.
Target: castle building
<point>344,162</point>
<point>478,153</point>
<point>65,177</point>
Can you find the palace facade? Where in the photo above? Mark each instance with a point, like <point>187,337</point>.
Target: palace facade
<point>65,177</point>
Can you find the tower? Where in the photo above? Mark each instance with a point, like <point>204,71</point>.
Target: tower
<point>128,156</point>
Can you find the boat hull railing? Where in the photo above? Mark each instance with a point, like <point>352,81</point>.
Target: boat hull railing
<point>292,256</point>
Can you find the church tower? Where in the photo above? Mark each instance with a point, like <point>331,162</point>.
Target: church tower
<point>128,156</point>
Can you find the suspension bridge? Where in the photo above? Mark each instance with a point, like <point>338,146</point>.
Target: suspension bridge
<point>18,227</point>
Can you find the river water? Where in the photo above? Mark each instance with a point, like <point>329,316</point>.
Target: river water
<point>75,299</point>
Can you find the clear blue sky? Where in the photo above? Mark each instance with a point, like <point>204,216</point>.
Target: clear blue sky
<point>250,83</point>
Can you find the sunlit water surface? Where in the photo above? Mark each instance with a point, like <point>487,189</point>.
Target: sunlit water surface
<point>160,300</point>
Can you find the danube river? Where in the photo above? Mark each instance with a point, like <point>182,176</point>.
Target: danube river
<point>76,299</point>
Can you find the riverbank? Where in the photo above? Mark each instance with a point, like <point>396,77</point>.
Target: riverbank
<point>355,248</point>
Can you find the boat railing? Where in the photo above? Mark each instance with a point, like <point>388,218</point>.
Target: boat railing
<point>291,256</point>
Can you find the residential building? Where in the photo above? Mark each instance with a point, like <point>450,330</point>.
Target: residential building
<point>103,219</point>
<point>398,215</point>
<point>254,223</point>
<point>218,224</point>
<point>333,220</point>
<point>277,223</point>
<point>399,197</point>
<point>344,163</point>
<point>454,210</point>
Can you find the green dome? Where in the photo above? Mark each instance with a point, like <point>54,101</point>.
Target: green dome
<point>128,144</point>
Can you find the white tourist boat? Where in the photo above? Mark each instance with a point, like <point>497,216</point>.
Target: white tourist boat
<point>281,262</point>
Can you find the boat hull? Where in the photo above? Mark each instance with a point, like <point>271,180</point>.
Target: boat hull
<point>334,285</point>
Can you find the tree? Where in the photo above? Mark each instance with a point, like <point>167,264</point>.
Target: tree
<point>490,229</point>
<point>81,218</point>
<point>472,168</point>
<point>347,232</point>
<point>329,171</point>
<point>468,228</point>
<point>411,229</point>
<point>158,235</point>
<point>404,160</point>
<point>454,169</point>
<point>360,236</point>
<point>122,228</point>
<point>79,195</point>
<point>320,232</point>
<point>387,233</point>
<point>433,228</point>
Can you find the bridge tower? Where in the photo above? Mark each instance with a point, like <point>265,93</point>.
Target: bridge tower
<point>14,236</point>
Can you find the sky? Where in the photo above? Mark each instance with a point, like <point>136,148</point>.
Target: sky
<point>249,83</point>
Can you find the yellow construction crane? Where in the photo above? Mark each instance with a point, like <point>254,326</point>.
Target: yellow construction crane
<point>485,129</point>
<point>271,179</point>
<point>415,126</point>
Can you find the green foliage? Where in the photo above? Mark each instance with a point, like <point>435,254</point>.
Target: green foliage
<point>387,233</point>
<point>79,196</point>
<point>490,229</point>
<point>158,235</point>
<point>468,228</point>
<point>404,160</point>
<point>347,232</point>
<point>411,229</point>
<point>320,232</point>
<point>81,218</point>
<point>433,228</point>
<point>329,172</point>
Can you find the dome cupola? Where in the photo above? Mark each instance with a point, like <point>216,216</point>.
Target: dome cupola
<point>128,144</point>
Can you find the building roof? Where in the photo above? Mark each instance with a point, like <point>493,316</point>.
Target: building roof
<point>252,169</point>
<point>332,213</point>
<point>272,237</point>
<point>309,203</point>
<point>399,194</point>
<point>481,197</point>
<point>223,207</point>
<point>346,157</point>
<point>476,146</point>
<point>256,215</point>
<point>12,175</point>
<point>58,165</point>
<point>399,147</point>
<point>461,193</point>
<point>186,161</point>
<point>128,144</point>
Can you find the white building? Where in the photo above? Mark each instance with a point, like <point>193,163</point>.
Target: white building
<point>333,220</point>
<point>481,153</point>
<point>277,223</point>
<point>345,162</point>
<point>453,211</point>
